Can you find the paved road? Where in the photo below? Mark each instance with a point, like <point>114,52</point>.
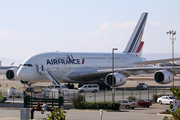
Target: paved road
<point>72,114</point>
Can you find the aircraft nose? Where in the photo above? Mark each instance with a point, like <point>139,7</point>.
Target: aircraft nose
<point>23,73</point>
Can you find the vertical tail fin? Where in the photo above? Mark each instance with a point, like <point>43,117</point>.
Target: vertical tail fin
<point>135,44</point>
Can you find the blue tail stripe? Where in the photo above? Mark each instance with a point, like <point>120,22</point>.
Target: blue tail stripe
<point>137,34</point>
<point>136,46</point>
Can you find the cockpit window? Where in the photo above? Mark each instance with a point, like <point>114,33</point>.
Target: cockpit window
<point>29,65</point>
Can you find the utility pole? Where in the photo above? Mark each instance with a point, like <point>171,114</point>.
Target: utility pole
<point>172,38</point>
<point>113,73</point>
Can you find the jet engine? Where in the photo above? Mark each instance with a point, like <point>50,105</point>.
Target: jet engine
<point>119,79</point>
<point>24,82</point>
<point>163,77</point>
<point>11,74</point>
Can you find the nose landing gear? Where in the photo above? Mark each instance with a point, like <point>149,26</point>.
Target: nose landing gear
<point>29,89</point>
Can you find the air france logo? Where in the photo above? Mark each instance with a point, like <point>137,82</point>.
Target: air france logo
<point>65,62</point>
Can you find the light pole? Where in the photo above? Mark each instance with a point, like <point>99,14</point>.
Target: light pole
<point>172,38</point>
<point>113,73</point>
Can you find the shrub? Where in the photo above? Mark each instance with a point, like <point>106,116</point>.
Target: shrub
<point>155,96</point>
<point>132,98</point>
<point>99,105</point>
<point>57,114</point>
<point>0,96</point>
<point>76,101</point>
<point>115,105</point>
<point>165,118</point>
<point>168,111</point>
<point>80,103</point>
<point>171,106</point>
<point>176,114</point>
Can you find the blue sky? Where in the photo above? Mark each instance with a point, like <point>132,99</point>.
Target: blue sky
<point>35,26</point>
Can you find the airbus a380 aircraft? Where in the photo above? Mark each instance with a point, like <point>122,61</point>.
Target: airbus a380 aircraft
<point>92,67</point>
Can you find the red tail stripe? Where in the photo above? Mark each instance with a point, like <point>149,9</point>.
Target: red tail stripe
<point>140,47</point>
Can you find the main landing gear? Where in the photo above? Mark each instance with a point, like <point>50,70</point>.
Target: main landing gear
<point>80,85</point>
<point>70,86</point>
<point>103,86</point>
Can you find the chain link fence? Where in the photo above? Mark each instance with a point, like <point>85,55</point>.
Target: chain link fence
<point>123,94</point>
<point>103,95</point>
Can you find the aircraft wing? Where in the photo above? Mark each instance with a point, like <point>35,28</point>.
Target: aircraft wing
<point>94,74</point>
<point>156,61</point>
<point>88,75</point>
<point>135,70</point>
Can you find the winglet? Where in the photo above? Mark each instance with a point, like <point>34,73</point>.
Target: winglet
<point>135,44</point>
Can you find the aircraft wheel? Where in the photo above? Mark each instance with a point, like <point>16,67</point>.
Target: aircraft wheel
<point>27,90</point>
<point>31,89</point>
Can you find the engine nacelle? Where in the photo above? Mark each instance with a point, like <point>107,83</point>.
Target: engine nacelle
<point>11,74</point>
<point>23,82</point>
<point>119,79</point>
<point>26,82</point>
<point>163,77</point>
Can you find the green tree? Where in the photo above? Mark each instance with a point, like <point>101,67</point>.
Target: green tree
<point>0,96</point>
<point>175,91</point>
<point>57,114</point>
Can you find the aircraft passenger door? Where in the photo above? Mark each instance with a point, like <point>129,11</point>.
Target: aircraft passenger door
<point>94,66</point>
<point>64,69</point>
<point>122,59</point>
<point>40,68</point>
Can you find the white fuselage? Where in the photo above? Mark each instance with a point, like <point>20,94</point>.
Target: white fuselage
<point>62,64</point>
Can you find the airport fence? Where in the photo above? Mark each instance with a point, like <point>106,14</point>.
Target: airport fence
<point>102,95</point>
<point>124,94</point>
<point>15,97</point>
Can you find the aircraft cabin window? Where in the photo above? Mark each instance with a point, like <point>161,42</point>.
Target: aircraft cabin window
<point>29,65</point>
